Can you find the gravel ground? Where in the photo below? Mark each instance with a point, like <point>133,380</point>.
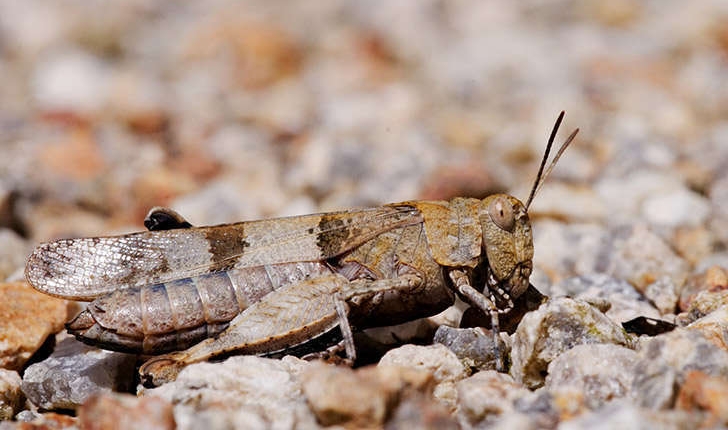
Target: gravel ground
<point>227,111</point>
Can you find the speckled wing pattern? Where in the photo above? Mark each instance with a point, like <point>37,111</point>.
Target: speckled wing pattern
<point>86,268</point>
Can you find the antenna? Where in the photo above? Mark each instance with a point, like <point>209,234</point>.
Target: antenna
<point>541,175</point>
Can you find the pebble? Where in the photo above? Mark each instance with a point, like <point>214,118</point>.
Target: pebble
<point>244,391</point>
<point>664,361</point>
<point>714,326</point>
<point>704,393</point>
<point>715,278</point>
<point>473,346</point>
<point>29,420</point>
<point>71,81</point>
<point>488,397</point>
<point>625,415</point>
<point>599,373</point>
<point>554,328</point>
<point>11,397</point>
<point>29,317</point>
<point>677,207</point>
<point>125,412</point>
<point>422,412</point>
<point>437,359</point>
<point>704,303</point>
<point>642,258</point>
<point>73,373</point>
<point>378,392</point>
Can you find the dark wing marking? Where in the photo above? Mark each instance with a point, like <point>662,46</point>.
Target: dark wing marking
<point>86,268</point>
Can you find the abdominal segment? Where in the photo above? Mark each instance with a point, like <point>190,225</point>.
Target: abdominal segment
<point>175,315</point>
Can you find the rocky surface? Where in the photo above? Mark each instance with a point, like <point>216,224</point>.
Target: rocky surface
<point>240,110</point>
<point>555,328</point>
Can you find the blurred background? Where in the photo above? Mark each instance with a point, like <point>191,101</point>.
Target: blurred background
<point>229,110</point>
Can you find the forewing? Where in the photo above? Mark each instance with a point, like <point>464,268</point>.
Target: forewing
<point>85,268</point>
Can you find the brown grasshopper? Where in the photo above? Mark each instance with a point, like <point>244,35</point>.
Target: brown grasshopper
<point>258,287</point>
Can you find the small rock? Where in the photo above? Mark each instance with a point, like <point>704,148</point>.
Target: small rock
<point>124,411</point>
<point>704,303</point>
<point>599,373</point>
<point>715,278</point>
<point>71,81</point>
<point>647,262</point>
<point>28,318</point>
<point>626,303</point>
<point>378,390</point>
<point>664,294</point>
<point>694,244</point>
<point>677,207</point>
<point>11,397</point>
<point>28,420</point>
<point>625,415</point>
<point>241,390</point>
<point>473,346</point>
<point>437,359</point>
<point>74,372</point>
<point>702,392</point>
<point>555,327</point>
<point>487,397</point>
<point>664,361</point>
<point>421,412</point>
<point>714,326</point>
<point>539,408</point>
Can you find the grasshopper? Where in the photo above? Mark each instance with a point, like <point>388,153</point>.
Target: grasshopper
<point>258,287</point>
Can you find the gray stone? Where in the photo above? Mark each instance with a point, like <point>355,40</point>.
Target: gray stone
<point>664,360</point>
<point>473,346</point>
<point>598,372</point>
<point>74,372</point>
<point>555,327</point>
<point>242,390</point>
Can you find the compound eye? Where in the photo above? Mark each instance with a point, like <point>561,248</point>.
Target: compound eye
<point>502,214</point>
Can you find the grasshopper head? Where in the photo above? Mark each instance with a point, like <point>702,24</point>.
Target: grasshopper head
<point>507,238</point>
<point>508,245</point>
